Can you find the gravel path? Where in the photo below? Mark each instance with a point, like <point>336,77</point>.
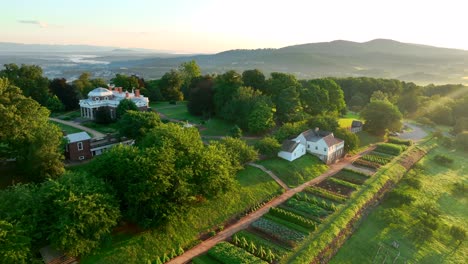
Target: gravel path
<point>94,133</point>
<point>252,217</point>
<point>415,134</point>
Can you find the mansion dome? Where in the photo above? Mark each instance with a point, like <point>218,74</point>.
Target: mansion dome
<point>98,92</point>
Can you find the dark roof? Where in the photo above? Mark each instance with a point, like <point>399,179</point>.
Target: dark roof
<point>289,145</point>
<point>313,136</point>
<point>330,140</point>
<point>356,123</point>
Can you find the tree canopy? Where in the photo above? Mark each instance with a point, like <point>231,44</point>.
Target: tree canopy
<point>135,124</point>
<point>381,116</point>
<point>124,106</point>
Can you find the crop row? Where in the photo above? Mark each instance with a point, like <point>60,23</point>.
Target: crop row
<point>326,194</point>
<point>376,159</point>
<point>306,207</point>
<point>277,250</point>
<point>351,176</point>
<point>389,148</point>
<point>292,217</point>
<point>260,251</point>
<point>399,141</point>
<point>306,198</point>
<point>281,233</point>
<point>367,164</point>
<point>343,183</point>
<point>228,253</point>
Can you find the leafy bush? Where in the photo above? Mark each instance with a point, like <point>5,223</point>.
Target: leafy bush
<point>389,148</point>
<point>281,233</point>
<point>443,160</point>
<point>399,141</point>
<point>325,194</point>
<point>294,218</point>
<point>268,146</point>
<point>228,253</point>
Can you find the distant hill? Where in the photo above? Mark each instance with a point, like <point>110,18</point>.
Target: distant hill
<point>376,58</point>
<point>54,48</point>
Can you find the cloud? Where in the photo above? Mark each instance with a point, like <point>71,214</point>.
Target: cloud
<point>41,24</point>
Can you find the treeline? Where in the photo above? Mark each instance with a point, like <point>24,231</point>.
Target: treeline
<point>168,171</point>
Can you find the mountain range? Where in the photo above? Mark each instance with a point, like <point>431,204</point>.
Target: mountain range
<point>376,58</point>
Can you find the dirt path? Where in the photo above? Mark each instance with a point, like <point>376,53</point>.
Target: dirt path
<point>272,175</point>
<point>249,219</point>
<point>415,134</point>
<point>94,133</point>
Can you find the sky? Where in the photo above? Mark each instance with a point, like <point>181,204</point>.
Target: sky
<point>207,26</point>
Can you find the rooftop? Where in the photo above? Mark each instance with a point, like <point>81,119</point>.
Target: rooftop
<point>76,137</point>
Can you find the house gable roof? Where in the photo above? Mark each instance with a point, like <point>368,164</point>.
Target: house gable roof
<point>314,136</point>
<point>76,137</point>
<point>330,140</point>
<point>289,146</point>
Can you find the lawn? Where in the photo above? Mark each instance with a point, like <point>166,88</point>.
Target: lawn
<point>66,128</point>
<point>67,115</point>
<point>108,128</point>
<point>366,139</point>
<point>216,127</point>
<point>347,119</point>
<point>296,172</point>
<point>437,188</point>
<point>183,230</point>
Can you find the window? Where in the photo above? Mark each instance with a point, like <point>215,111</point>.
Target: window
<point>80,145</point>
<point>308,145</point>
<point>316,148</point>
<point>81,157</point>
<point>324,149</point>
<point>106,98</point>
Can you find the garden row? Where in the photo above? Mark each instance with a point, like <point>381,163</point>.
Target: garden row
<point>383,153</point>
<point>283,229</point>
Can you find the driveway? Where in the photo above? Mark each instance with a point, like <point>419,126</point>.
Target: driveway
<point>94,133</point>
<point>416,133</point>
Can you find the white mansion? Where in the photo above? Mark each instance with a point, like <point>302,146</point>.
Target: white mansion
<point>102,97</point>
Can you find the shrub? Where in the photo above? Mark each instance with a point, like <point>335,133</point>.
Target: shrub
<point>443,160</point>
<point>400,197</point>
<point>228,253</point>
<point>235,132</point>
<point>458,233</point>
<point>268,146</point>
<point>389,148</point>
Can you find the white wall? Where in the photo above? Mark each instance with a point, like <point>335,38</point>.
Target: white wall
<point>297,153</point>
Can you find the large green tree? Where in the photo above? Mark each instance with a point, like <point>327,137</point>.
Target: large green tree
<point>200,98</point>
<point>135,124</point>
<point>27,136</point>
<point>29,79</point>
<point>188,71</point>
<point>284,91</point>
<point>314,99</point>
<point>15,247</point>
<point>124,106</point>
<point>170,85</point>
<point>336,102</point>
<point>225,86</point>
<point>381,116</point>
<point>126,82</point>
<point>254,78</point>
<point>81,211</point>
<point>67,93</point>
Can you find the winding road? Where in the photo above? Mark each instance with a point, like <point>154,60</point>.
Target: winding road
<point>252,217</point>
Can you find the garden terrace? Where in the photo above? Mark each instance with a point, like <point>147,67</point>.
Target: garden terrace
<point>338,186</point>
<point>351,176</point>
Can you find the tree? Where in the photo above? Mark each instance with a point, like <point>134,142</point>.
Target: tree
<point>200,96</point>
<point>188,71</point>
<point>254,78</point>
<point>29,79</point>
<point>135,124</point>
<point>461,125</point>
<point>54,104</point>
<point>268,146</point>
<point>67,94</point>
<point>284,91</point>
<point>82,210</point>
<point>154,91</point>
<point>461,141</point>
<point>225,87</point>
<point>314,99</point>
<point>260,118</point>
<point>103,115</point>
<point>124,106</point>
<point>126,82</point>
<point>236,132</point>
<point>240,153</point>
<point>170,86</point>
<point>15,247</point>
<point>458,233</point>
<point>351,140</point>
<point>380,116</point>
<point>324,122</point>
<point>336,102</point>
<point>27,136</point>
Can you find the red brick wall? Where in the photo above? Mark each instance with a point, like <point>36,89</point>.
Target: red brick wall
<point>74,154</point>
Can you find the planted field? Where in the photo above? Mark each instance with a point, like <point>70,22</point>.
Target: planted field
<point>227,254</point>
<point>375,157</point>
<point>296,172</point>
<point>279,232</point>
<point>389,148</point>
<point>325,194</point>
<point>337,186</point>
<point>435,189</point>
<point>255,186</point>
<point>307,207</point>
<point>249,238</point>
<point>399,141</point>
<point>351,176</point>
<point>367,164</point>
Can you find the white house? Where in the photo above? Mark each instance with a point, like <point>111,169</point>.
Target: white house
<point>322,144</point>
<point>291,150</point>
<point>102,97</point>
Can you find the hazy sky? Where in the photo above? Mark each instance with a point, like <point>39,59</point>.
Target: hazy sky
<point>211,26</point>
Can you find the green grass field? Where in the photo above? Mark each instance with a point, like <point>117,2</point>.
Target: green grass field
<point>67,129</point>
<point>108,128</point>
<point>437,188</point>
<point>255,186</point>
<point>296,172</point>
<point>347,119</point>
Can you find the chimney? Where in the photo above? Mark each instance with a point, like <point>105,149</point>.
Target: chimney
<point>137,93</point>
<point>127,95</point>
<point>316,131</point>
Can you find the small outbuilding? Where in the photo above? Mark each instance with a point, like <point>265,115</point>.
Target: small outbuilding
<point>356,126</point>
<point>291,150</point>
